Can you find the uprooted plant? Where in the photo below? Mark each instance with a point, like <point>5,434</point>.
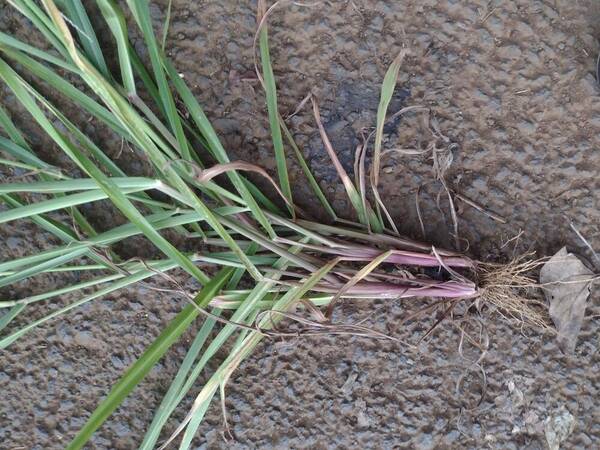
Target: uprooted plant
<point>291,259</point>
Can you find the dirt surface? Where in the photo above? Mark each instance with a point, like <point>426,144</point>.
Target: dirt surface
<point>510,82</point>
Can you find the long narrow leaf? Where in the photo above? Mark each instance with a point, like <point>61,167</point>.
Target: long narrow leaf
<point>16,137</point>
<point>10,315</point>
<point>234,359</point>
<point>387,92</point>
<point>41,21</point>
<point>365,214</point>
<point>118,197</point>
<point>271,94</point>
<point>7,41</point>
<point>159,221</point>
<point>148,359</point>
<point>116,22</point>
<point>61,85</point>
<point>307,172</point>
<point>139,130</point>
<point>80,184</point>
<point>87,36</point>
<point>214,144</point>
<point>142,16</point>
<point>250,302</point>
<point>170,400</point>
<point>58,203</point>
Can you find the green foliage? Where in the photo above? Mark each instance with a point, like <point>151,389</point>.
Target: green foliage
<point>274,249</point>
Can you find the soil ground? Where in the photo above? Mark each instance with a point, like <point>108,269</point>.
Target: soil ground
<point>511,83</point>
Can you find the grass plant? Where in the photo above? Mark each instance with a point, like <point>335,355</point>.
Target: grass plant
<point>194,189</point>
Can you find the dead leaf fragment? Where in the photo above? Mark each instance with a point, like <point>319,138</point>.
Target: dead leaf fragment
<point>558,427</point>
<point>566,281</point>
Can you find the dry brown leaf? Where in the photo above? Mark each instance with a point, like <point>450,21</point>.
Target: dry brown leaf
<point>566,282</point>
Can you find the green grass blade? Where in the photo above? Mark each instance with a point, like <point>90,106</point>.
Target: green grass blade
<point>149,358</point>
<point>67,89</point>
<point>32,169</point>
<point>159,221</point>
<point>25,153</point>
<point>142,16</point>
<point>165,32</point>
<point>93,108</point>
<point>65,290</point>
<point>250,302</point>
<point>11,130</point>
<point>387,91</point>
<point>58,203</point>
<point>156,122</point>
<point>306,170</point>
<point>63,258</point>
<point>22,153</point>
<point>7,42</point>
<point>116,22</point>
<point>222,374</point>
<point>116,285</point>
<point>72,268</point>
<point>267,303</point>
<point>52,226</point>
<point>79,137</point>
<point>139,129</point>
<point>267,244</point>
<point>77,14</point>
<point>117,197</point>
<point>169,401</point>
<point>260,197</point>
<point>87,143</point>
<point>41,21</point>
<point>150,438</point>
<point>9,316</point>
<point>59,256</point>
<point>79,184</point>
<point>146,78</point>
<point>214,144</point>
<point>139,275</point>
<point>239,341</point>
<point>271,94</point>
